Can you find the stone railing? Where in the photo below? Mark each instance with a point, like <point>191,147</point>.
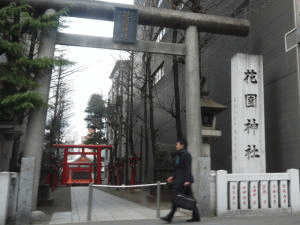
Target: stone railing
<point>257,193</point>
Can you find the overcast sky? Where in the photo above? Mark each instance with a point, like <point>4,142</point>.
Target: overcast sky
<point>100,63</point>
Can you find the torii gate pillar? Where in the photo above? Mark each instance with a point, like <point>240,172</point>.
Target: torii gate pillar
<point>36,124</point>
<point>201,185</point>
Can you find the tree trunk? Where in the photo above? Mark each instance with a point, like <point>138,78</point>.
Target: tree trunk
<point>32,44</point>
<point>54,126</point>
<point>141,157</point>
<point>146,142</point>
<point>131,106</point>
<point>151,108</point>
<point>127,128</point>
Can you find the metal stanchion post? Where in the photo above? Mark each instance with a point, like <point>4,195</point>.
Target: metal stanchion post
<point>90,199</point>
<point>158,200</point>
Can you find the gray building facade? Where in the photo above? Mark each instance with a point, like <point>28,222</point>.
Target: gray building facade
<point>270,21</point>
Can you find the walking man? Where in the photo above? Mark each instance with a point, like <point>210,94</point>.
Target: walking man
<point>182,179</point>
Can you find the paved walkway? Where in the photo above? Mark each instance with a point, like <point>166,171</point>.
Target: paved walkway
<point>61,203</point>
<point>111,210</point>
<point>260,220</point>
<point>105,207</point>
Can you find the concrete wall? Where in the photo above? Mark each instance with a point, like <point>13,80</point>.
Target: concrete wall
<point>281,84</point>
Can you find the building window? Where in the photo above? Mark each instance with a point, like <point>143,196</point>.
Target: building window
<point>163,4</point>
<point>159,73</point>
<point>160,2</point>
<point>182,4</point>
<point>161,35</point>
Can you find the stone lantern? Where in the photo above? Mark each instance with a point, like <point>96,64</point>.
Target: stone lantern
<point>209,111</point>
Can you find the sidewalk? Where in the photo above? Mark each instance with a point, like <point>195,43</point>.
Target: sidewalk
<point>111,210</point>
<point>106,207</point>
<point>260,220</point>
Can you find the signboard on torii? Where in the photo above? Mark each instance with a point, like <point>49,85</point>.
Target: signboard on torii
<point>125,25</point>
<point>191,22</point>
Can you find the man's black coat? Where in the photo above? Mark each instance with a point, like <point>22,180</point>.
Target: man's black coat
<point>183,170</point>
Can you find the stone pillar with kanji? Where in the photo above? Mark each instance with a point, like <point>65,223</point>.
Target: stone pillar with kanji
<point>247,113</point>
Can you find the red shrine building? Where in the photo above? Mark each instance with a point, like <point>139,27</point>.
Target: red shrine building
<point>88,168</point>
<point>82,172</point>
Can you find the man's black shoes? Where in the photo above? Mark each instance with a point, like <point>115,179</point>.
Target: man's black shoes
<point>166,218</point>
<point>193,220</point>
<point>169,220</point>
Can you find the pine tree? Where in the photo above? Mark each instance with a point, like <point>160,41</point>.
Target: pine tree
<point>95,120</point>
<point>20,27</point>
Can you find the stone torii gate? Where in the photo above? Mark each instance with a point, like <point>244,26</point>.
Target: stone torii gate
<point>191,22</point>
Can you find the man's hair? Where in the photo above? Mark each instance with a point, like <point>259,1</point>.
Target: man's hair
<point>183,142</point>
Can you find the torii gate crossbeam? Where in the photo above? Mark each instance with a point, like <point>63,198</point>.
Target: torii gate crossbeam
<point>192,23</point>
<point>147,16</point>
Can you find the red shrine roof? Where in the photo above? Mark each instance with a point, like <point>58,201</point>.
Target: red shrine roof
<point>83,159</point>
